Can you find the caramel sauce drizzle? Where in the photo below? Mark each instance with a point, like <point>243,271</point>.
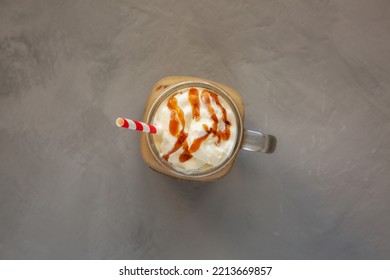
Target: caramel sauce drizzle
<point>193,98</point>
<point>222,135</point>
<point>177,121</point>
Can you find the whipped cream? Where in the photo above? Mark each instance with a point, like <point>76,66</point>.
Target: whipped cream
<point>195,134</point>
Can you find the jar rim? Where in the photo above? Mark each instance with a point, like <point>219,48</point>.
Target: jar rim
<point>170,91</point>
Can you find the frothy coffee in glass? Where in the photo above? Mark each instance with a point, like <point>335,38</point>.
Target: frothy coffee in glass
<point>197,129</point>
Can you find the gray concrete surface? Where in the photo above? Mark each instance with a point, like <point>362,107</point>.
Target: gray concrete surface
<point>314,73</point>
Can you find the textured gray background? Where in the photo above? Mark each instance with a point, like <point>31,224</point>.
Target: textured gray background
<point>314,73</point>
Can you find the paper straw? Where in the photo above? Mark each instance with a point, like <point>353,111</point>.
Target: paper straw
<point>136,125</point>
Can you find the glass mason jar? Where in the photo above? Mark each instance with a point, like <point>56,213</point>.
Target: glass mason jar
<point>244,139</point>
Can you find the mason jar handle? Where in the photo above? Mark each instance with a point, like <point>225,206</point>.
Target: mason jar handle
<point>255,141</point>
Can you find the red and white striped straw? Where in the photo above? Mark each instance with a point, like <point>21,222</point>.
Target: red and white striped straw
<point>136,125</point>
